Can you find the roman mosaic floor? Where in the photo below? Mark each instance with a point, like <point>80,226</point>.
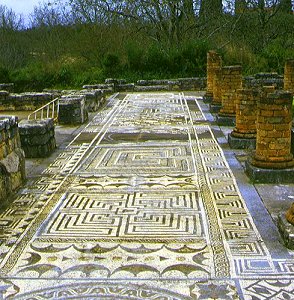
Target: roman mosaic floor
<point>142,204</point>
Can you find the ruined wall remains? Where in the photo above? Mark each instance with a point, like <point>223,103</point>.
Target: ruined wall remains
<point>214,64</point>
<point>12,162</point>
<point>231,82</point>
<point>72,110</point>
<point>264,79</point>
<point>289,75</point>
<point>217,87</point>
<point>37,137</point>
<point>23,101</point>
<point>246,113</point>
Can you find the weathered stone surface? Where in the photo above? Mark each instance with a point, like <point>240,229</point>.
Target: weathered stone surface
<point>125,87</point>
<point>287,231</point>
<point>261,79</point>
<point>94,98</point>
<point>151,88</point>
<point>267,175</point>
<point>7,86</point>
<point>241,143</point>
<point>12,163</point>
<point>152,82</point>
<point>37,137</point>
<point>72,110</point>
<point>106,88</point>
<point>24,101</point>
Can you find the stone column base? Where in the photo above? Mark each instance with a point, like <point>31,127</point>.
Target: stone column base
<point>225,120</point>
<point>287,231</point>
<point>241,143</point>
<point>214,108</point>
<point>268,175</point>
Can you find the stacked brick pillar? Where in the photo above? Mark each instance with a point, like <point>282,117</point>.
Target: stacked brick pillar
<point>274,123</point>
<point>246,107</point>
<point>214,63</point>
<point>289,75</point>
<point>217,87</point>
<point>231,82</point>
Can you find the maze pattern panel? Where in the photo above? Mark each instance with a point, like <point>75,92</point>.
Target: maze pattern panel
<point>147,158</point>
<point>144,216</point>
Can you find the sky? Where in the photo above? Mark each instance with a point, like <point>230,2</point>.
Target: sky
<point>21,6</point>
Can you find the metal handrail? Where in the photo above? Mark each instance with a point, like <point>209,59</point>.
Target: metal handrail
<point>50,110</point>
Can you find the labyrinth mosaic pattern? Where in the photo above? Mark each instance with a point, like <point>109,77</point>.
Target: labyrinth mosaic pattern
<point>141,205</point>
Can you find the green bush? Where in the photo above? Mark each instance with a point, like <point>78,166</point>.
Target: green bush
<point>111,65</point>
<point>4,75</point>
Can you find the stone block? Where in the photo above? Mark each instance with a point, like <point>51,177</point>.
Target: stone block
<point>268,175</point>
<point>37,137</point>
<point>225,120</point>
<point>151,88</point>
<point>286,230</point>
<point>12,162</point>
<point>7,87</point>
<point>106,88</point>
<point>125,87</point>
<point>241,143</point>
<point>214,108</point>
<point>94,98</point>
<point>72,110</point>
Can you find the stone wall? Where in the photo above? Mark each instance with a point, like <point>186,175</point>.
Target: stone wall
<point>72,110</point>
<point>9,87</point>
<point>94,98</point>
<point>12,162</point>
<point>263,79</point>
<point>37,137</point>
<point>179,84</point>
<point>24,101</point>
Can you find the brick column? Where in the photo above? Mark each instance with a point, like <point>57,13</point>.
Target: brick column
<point>217,87</point>
<point>214,62</point>
<point>231,82</point>
<point>289,75</point>
<point>246,113</point>
<point>273,140</point>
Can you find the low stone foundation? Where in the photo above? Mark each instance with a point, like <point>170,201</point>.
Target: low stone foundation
<point>37,137</point>
<point>12,162</point>
<point>72,110</point>
<point>262,79</point>
<point>287,231</point>
<point>94,98</point>
<point>263,175</point>
<point>23,101</point>
<point>241,143</point>
<point>161,85</point>
<point>9,87</point>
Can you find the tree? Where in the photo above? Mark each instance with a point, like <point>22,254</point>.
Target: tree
<point>210,9</point>
<point>9,20</point>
